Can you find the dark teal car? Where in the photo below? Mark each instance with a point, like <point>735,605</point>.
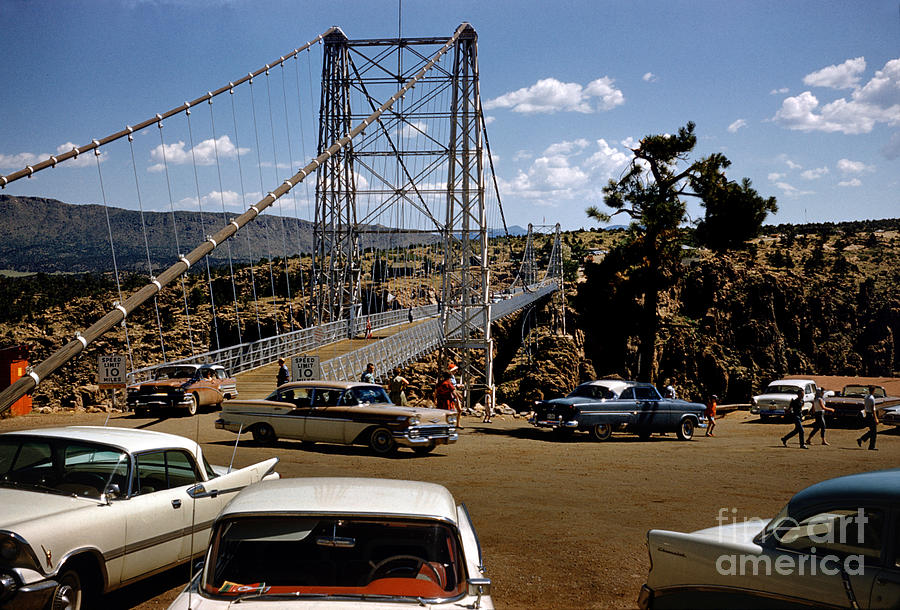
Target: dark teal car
<point>607,405</point>
<point>836,544</point>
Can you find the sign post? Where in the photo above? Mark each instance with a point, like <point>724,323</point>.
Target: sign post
<point>305,368</point>
<point>111,373</point>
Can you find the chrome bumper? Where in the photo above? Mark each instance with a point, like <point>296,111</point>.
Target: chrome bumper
<point>421,436</point>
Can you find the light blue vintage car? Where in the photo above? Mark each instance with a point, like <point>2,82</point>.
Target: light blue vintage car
<point>835,545</point>
<point>607,405</point>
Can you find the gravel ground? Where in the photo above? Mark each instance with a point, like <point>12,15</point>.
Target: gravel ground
<point>562,523</point>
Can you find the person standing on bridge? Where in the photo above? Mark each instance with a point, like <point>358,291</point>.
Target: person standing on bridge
<point>283,375</point>
<point>410,314</point>
<point>368,328</point>
<point>397,386</point>
<point>368,375</point>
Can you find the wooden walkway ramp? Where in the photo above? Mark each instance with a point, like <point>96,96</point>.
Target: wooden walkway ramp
<point>259,382</point>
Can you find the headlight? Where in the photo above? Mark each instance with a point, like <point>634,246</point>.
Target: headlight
<point>9,549</point>
<point>451,419</point>
<point>413,420</point>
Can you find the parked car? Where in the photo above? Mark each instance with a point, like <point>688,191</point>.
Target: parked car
<point>603,406</point>
<point>339,412</point>
<point>835,545</point>
<point>776,398</point>
<point>182,386</point>
<point>849,404</point>
<point>87,509</point>
<point>890,416</point>
<point>341,543</point>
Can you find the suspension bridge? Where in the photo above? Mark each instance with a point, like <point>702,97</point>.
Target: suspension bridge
<point>408,238</point>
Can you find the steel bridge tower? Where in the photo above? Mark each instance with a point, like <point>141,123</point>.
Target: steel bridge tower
<point>356,69</point>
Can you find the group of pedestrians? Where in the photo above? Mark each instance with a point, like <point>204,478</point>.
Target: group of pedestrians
<point>819,408</point>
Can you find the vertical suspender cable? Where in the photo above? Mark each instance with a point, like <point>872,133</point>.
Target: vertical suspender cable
<point>137,186</point>
<point>112,249</point>
<point>265,221</point>
<point>212,300</point>
<point>287,276</point>
<point>237,312</point>
<point>237,145</point>
<point>187,311</point>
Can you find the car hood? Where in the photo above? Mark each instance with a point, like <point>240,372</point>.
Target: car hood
<point>162,383</point>
<point>742,532</point>
<point>19,508</point>
<point>775,398</point>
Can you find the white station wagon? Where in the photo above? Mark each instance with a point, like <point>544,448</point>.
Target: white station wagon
<point>87,509</point>
<point>341,543</point>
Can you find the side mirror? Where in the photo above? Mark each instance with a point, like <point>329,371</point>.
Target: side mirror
<point>112,491</point>
<point>479,587</point>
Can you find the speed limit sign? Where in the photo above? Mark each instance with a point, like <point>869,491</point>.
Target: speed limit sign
<point>111,371</point>
<point>304,368</point>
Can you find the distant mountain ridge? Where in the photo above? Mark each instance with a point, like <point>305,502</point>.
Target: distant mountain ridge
<point>46,235</point>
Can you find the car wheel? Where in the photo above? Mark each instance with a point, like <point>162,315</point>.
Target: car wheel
<point>686,429</point>
<point>601,432</point>
<point>381,441</point>
<point>141,411</point>
<point>644,435</point>
<point>69,592</point>
<point>192,405</point>
<point>424,449</point>
<point>264,434</point>
<point>307,444</point>
<point>763,418</point>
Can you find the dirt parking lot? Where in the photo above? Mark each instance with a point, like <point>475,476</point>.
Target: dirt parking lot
<point>562,523</point>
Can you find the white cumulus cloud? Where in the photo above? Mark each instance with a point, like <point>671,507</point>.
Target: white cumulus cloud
<point>877,101</point>
<point>815,174</point>
<point>737,125</point>
<point>843,76</point>
<point>203,153</point>
<point>649,77</point>
<point>847,166</point>
<point>851,182</point>
<point>550,95</point>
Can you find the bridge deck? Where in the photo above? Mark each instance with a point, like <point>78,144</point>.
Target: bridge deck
<point>259,382</point>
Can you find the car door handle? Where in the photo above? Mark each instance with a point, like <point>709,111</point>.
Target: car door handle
<point>176,503</point>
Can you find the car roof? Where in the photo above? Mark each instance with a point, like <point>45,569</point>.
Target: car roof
<point>880,486</point>
<point>323,383</point>
<point>797,382</point>
<point>617,385</point>
<point>130,439</point>
<point>345,496</point>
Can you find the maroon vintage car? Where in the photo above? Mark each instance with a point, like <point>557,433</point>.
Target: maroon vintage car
<point>848,404</point>
<point>182,386</point>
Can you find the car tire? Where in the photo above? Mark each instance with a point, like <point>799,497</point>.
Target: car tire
<point>264,434</point>
<point>69,593</point>
<point>141,411</point>
<point>686,429</point>
<point>644,435</point>
<point>307,444</point>
<point>191,408</point>
<point>601,432</point>
<point>381,441</point>
<point>764,418</point>
<point>424,449</point>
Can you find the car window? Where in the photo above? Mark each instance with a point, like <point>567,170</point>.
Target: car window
<point>220,373</point>
<point>370,395</point>
<point>325,397</point>
<point>299,396</point>
<point>646,394</point>
<point>627,393</point>
<point>159,470</point>
<point>845,531</point>
<point>591,391</point>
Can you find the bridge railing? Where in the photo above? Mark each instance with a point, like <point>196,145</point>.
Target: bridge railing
<point>407,346</point>
<point>251,355</point>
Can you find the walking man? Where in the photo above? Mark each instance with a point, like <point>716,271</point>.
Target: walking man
<point>283,375</point>
<point>871,421</point>
<point>368,375</point>
<point>818,409</point>
<point>797,417</point>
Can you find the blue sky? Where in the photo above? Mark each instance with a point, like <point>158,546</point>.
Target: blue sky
<point>803,97</point>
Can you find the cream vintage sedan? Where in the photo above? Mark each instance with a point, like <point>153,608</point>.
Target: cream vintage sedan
<point>87,509</point>
<point>339,412</point>
<point>333,543</point>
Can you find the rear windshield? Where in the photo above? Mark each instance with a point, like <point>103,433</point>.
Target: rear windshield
<point>293,557</point>
<point>782,389</point>
<point>592,391</point>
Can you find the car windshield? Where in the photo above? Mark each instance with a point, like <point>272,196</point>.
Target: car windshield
<point>61,466</point>
<point>347,557</point>
<point>174,372</point>
<point>778,523</point>
<point>366,394</point>
<point>597,392</point>
<point>781,389</point>
<point>861,391</point>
